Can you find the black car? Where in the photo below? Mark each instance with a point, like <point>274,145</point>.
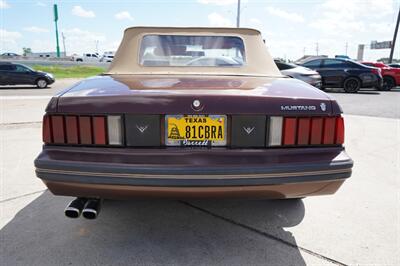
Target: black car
<point>17,74</point>
<point>9,55</point>
<point>346,74</point>
<point>395,65</point>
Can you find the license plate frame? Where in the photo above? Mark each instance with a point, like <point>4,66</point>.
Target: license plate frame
<point>214,119</point>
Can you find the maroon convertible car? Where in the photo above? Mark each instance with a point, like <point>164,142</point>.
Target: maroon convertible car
<point>191,112</point>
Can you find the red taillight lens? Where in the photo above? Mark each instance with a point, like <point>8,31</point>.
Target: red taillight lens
<point>99,130</point>
<point>57,125</point>
<point>85,129</point>
<point>329,130</point>
<point>303,131</point>
<point>339,136</point>
<point>46,129</point>
<point>289,131</point>
<point>71,124</point>
<point>316,130</point>
<point>81,130</point>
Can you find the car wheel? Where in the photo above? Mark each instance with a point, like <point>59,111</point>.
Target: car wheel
<point>79,60</point>
<point>41,83</point>
<point>388,84</point>
<point>351,85</point>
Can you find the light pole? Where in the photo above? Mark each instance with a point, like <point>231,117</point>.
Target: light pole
<point>394,38</point>
<point>238,15</point>
<point>55,21</point>
<point>97,46</point>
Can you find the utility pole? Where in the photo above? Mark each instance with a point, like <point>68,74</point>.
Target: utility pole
<point>394,38</point>
<point>55,21</point>
<point>238,15</point>
<point>346,46</point>
<point>97,46</point>
<point>304,51</point>
<point>316,48</point>
<point>63,38</point>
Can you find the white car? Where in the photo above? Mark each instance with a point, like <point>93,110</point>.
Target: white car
<point>87,57</point>
<point>218,61</point>
<point>107,58</point>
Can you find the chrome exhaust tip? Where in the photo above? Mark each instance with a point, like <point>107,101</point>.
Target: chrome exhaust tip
<point>74,208</point>
<point>92,209</point>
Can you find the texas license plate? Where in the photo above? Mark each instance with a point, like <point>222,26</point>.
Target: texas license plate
<point>195,130</point>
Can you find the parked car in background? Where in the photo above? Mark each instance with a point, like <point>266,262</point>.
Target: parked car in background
<point>17,74</point>
<point>87,57</point>
<point>395,65</point>
<point>346,74</point>
<point>155,125</point>
<point>307,58</point>
<point>9,55</point>
<point>107,58</point>
<point>390,75</point>
<point>298,72</point>
<point>342,56</point>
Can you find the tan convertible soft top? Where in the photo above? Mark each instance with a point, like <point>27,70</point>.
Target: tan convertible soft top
<point>258,60</point>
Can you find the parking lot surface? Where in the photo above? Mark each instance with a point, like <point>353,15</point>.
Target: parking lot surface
<point>358,225</point>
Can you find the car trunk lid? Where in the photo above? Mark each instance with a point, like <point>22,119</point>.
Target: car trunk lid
<point>145,94</point>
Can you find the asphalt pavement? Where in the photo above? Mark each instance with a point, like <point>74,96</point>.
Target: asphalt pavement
<point>359,225</point>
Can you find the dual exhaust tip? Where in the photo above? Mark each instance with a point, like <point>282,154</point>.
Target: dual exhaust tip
<point>89,208</point>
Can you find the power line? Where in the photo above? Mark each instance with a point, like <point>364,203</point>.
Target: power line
<point>63,39</point>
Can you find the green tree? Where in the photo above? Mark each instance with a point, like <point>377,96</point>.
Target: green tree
<point>386,60</point>
<point>26,50</point>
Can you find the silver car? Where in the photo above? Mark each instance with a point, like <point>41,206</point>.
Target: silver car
<point>298,72</point>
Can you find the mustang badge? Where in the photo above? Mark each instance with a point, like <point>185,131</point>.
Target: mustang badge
<point>142,129</point>
<point>248,130</point>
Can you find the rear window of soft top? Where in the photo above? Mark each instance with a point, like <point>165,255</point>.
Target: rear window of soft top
<point>191,51</point>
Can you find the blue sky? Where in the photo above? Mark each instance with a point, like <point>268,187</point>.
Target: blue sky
<point>289,27</point>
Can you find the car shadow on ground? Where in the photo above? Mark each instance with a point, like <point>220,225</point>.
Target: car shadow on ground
<point>155,232</point>
<point>363,91</point>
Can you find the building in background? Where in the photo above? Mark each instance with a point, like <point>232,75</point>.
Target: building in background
<point>45,54</point>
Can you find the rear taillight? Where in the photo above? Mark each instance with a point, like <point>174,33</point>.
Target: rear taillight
<point>57,125</point>
<point>82,130</point>
<point>272,131</point>
<point>376,71</point>
<point>339,134</point>
<point>305,131</point>
<point>114,130</point>
<point>99,130</point>
<point>46,130</point>
<point>289,132</point>
<point>275,131</point>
